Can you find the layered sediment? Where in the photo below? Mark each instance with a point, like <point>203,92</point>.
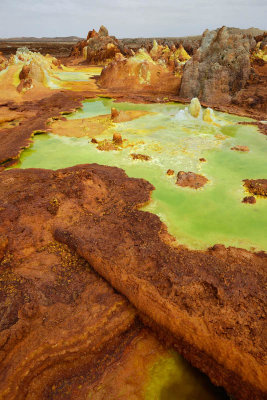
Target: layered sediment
<point>200,300</point>
<point>62,326</point>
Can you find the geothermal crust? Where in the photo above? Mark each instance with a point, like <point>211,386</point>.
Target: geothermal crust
<point>208,304</point>
<point>62,326</point>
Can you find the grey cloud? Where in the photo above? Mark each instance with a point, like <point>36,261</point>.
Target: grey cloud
<point>127,18</point>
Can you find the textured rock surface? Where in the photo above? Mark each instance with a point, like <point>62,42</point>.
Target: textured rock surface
<point>253,97</point>
<point>190,179</point>
<point>98,48</point>
<point>249,200</point>
<point>240,148</point>
<point>209,304</point>
<point>142,157</point>
<point>14,140</point>
<point>3,62</point>
<point>140,73</point>
<point>60,323</point>
<point>219,68</point>
<point>256,186</point>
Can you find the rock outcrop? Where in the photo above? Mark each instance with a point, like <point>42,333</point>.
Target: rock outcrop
<point>59,319</point>
<point>159,71</point>
<point>98,48</point>
<point>190,179</point>
<point>3,62</point>
<point>257,187</point>
<point>219,68</point>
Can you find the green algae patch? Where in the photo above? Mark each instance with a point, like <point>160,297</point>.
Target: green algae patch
<point>174,140</point>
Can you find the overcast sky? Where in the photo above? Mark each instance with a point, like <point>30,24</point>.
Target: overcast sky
<point>127,18</point>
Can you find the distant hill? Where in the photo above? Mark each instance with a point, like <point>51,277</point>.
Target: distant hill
<point>42,39</point>
<point>249,31</point>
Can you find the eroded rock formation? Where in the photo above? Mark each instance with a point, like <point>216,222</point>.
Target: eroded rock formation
<point>219,68</point>
<point>98,48</point>
<point>159,72</point>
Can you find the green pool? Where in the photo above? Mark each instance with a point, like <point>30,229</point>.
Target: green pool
<point>175,140</point>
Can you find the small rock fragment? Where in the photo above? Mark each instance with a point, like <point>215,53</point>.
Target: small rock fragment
<point>114,113</point>
<point>249,199</point>
<point>142,157</point>
<point>190,179</point>
<point>240,148</point>
<point>117,138</point>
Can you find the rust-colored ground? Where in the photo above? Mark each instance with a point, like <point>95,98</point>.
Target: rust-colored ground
<point>59,316</point>
<point>64,332</point>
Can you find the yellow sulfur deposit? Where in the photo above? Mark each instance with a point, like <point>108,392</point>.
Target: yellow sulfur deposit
<point>194,107</point>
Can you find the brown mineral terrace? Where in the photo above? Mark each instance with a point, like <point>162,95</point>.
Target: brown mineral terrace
<point>210,304</point>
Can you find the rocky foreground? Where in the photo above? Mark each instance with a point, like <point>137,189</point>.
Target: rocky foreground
<point>60,319</point>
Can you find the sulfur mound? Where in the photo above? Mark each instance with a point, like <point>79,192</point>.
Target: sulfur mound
<point>3,62</point>
<point>147,72</point>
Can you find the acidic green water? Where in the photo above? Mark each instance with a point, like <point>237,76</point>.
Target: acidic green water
<point>74,76</point>
<point>172,378</point>
<point>175,140</point>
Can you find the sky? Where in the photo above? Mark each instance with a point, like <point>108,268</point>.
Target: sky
<point>127,18</point>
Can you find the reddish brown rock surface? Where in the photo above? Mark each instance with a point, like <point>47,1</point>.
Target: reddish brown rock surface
<point>249,200</point>
<point>240,148</point>
<point>257,187</point>
<point>14,140</point>
<point>60,323</point>
<point>190,179</point>
<point>201,299</point>
<point>98,48</point>
<point>54,308</point>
